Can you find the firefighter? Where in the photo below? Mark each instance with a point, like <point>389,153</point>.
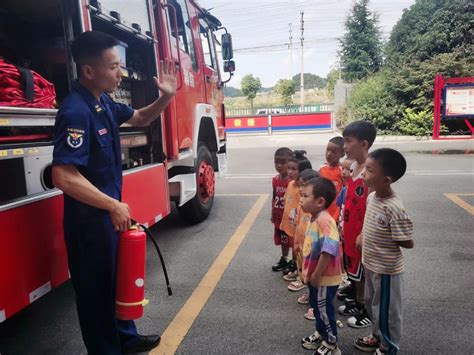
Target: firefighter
<point>87,167</point>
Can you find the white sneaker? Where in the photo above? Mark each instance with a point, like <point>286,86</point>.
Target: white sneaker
<point>328,349</point>
<point>312,342</point>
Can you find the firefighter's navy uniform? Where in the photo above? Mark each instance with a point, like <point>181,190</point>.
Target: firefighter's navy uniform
<point>87,136</point>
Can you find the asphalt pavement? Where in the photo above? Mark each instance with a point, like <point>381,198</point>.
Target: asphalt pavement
<point>248,309</point>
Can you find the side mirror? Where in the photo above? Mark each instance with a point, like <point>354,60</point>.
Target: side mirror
<point>229,66</point>
<point>227,50</point>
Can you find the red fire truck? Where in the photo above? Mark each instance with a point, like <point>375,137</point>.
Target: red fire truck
<point>172,160</point>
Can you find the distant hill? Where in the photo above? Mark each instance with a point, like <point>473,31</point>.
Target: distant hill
<point>265,90</point>
<point>229,91</point>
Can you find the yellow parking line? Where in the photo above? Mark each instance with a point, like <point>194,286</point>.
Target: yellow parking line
<point>179,327</point>
<point>460,202</point>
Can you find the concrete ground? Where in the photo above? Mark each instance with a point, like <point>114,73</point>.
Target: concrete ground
<point>250,310</point>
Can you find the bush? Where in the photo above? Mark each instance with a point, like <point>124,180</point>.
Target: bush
<point>370,100</point>
<point>418,124</point>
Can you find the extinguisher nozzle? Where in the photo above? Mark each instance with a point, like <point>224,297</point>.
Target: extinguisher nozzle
<point>170,292</point>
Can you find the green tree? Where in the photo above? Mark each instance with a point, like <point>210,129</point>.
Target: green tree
<point>250,87</point>
<point>331,80</point>
<point>285,88</point>
<point>311,81</point>
<point>361,46</point>
<point>431,27</point>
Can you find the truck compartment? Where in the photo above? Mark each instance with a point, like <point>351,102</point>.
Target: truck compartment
<point>37,36</point>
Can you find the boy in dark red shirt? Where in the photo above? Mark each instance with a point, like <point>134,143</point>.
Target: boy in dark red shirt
<point>279,185</point>
<point>358,138</point>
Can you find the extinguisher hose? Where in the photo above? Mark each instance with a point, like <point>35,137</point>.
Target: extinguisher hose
<point>150,235</point>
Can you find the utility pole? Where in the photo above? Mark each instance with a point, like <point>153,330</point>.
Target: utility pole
<point>290,47</point>
<point>302,63</point>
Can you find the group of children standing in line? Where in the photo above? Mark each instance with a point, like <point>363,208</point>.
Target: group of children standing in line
<point>344,226</point>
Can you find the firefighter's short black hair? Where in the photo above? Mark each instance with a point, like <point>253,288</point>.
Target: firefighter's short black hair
<point>323,187</point>
<point>391,161</point>
<point>89,45</point>
<point>361,130</point>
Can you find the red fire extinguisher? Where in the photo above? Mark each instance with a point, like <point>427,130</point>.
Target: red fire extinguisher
<point>130,292</point>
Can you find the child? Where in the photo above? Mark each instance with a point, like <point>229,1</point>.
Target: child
<point>302,220</point>
<point>292,200</point>
<point>348,292</point>
<point>358,138</point>
<point>386,228</point>
<point>332,170</point>
<point>341,198</point>
<point>322,265</point>
<point>279,185</point>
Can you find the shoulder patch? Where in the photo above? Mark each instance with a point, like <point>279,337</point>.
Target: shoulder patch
<point>75,137</point>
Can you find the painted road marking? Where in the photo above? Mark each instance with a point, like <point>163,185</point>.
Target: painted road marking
<point>179,327</point>
<point>460,202</point>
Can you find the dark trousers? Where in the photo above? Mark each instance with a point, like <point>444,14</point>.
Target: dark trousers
<point>322,301</point>
<point>92,246</point>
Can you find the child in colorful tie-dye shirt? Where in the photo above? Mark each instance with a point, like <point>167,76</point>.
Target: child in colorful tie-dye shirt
<point>322,264</point>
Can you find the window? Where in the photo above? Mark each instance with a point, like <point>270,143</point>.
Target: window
<point>206,44</point>
<point>184,34</point>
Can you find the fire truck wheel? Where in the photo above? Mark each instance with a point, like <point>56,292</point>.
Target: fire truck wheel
<point>199,208</point>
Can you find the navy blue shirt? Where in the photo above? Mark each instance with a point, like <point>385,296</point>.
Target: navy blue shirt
<point>87,136</point>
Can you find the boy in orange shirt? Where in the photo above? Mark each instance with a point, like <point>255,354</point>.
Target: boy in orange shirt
<point>332,170</point>
<point>292,200</point>
<point>302,220</point>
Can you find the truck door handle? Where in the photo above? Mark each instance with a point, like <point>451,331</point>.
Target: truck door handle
<point>208,79</point>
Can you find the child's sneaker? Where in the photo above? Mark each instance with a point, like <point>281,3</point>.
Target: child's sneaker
<point>312,342</point>
<point>367,344</point>
<point>360,320</point>
<point>349,309</point>
<point>296,285</point>
<point>328,349</point>
<point>381,351</point>
<point>309,315</point>
<point>303,299</point>
<point>346,292</point>
<point>291,267</point>
<point>291,276</point>
<point>280,265</point>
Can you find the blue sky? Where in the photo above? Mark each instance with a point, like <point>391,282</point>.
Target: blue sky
<point>260,33</point>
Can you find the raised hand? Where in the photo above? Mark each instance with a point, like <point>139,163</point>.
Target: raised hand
<point>167,79</point>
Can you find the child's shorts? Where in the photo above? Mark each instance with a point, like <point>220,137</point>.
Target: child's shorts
<point>354,269</point>
<point>280,238</point>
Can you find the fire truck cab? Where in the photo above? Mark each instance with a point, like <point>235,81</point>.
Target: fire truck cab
<point>172,160</point>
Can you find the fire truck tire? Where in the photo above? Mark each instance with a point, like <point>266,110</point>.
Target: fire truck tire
<point>199,208</point>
